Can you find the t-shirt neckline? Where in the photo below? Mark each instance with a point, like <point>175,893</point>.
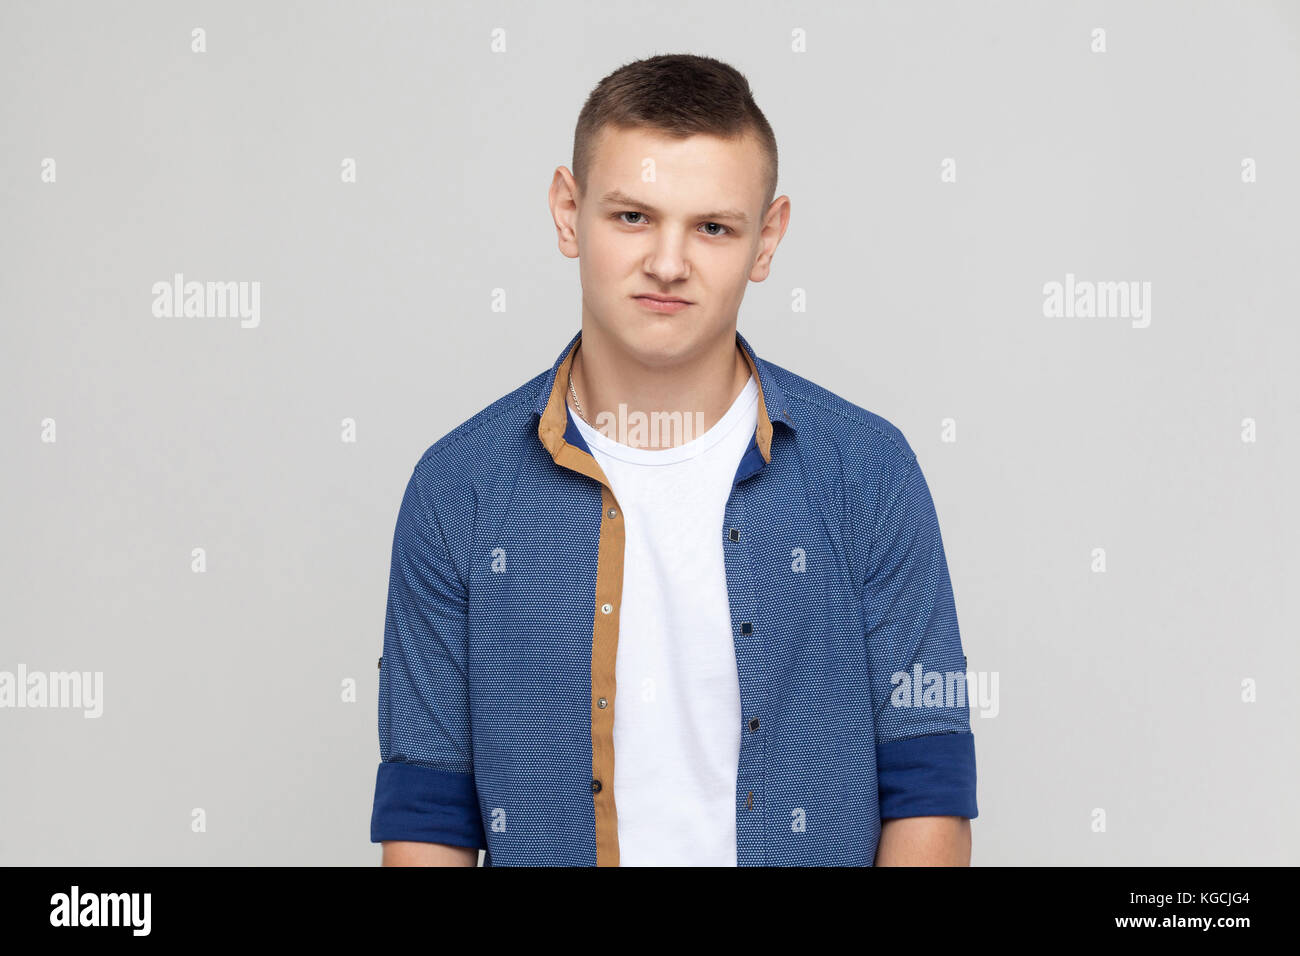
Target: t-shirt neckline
<point>730,419</point>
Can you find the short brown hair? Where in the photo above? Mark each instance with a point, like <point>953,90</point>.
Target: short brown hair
<point>678,94</point>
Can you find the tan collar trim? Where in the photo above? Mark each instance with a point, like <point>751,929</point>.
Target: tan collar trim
<point>554,419</point>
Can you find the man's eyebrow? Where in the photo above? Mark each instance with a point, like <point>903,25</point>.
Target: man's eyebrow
<point>620,198</point>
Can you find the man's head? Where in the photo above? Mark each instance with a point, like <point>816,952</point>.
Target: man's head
<point>671,194</point>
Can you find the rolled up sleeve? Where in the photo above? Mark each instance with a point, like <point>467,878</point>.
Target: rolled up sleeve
<point>925,751</point>
<point>424,788</point>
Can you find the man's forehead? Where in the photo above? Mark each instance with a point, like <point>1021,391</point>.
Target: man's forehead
<point>723,168</point>
<point>648,139</point>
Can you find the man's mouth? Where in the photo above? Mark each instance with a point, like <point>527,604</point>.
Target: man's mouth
<point>662,303</point>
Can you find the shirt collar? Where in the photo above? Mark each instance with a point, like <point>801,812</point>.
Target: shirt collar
<point>553,415</point>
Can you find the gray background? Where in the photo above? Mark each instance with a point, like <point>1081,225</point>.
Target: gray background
<point>222,690</point>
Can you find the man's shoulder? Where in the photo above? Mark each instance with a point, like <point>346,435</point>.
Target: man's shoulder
<point>492,441</point>
<point>822,416</point>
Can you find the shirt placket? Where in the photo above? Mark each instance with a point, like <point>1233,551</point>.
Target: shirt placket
<point>605,614</point>
<point>747,636</point>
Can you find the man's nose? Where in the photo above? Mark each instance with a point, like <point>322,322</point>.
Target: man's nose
<point>667,262</point>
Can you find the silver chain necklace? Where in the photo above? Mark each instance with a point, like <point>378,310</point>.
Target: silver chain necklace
<point>577,403</point>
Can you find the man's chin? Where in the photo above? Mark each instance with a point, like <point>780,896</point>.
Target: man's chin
<point>651,338</point>
<point>659,338</point>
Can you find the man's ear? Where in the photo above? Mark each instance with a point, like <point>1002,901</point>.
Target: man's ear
<point>774,224</point>
<point>563,197</point>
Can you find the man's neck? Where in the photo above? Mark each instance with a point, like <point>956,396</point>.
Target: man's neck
<point>700,390</point>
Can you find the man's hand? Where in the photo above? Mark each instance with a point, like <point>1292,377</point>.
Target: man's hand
<point>924,841</point>
<point>407,853</point>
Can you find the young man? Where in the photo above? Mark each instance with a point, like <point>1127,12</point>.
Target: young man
<point>615,643</point>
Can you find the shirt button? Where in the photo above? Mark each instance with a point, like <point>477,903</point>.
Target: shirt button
<point>602,703</point>
<point>606,608</point>
<point>753,724</point>
<point>595,786</point>
<point>746,628</point>
<point>735,534</point>
<point>613,512</point>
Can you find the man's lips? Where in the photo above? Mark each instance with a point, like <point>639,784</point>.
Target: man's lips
<point>667,304</point>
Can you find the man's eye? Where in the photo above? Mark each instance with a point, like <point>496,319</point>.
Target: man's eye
<point>619,216</point>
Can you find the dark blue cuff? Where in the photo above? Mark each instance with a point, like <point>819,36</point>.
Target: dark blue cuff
<point>929,776</point>
<point>426,805</point>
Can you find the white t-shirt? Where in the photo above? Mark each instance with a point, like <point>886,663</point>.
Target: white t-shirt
<point>677,720</point>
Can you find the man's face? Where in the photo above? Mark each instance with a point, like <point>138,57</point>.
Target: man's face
<point>670,217</point>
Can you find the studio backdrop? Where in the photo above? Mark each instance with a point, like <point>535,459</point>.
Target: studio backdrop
<point>1054,244</point>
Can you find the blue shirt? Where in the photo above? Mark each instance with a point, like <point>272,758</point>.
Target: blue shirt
<point>496,685</point>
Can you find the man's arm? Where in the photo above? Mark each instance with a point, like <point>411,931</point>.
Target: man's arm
<point>426,800</point>
<point>410,853</point>
<point>925,752</point>
<point>924,841</point>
